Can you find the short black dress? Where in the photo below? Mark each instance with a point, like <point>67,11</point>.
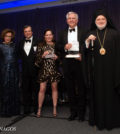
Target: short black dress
<point>48,70</point>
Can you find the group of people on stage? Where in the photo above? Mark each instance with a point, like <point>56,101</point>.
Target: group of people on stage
<point>90,63</point>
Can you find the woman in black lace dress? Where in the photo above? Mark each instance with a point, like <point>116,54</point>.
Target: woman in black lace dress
<point>9,90</point>
<point>46,60</point>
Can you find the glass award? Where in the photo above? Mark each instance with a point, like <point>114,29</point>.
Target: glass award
<point>75,46</point>
<point>51,54</point>
<point>73,52</point>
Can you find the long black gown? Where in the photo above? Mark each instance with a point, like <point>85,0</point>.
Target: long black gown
<point>9,84</point>
<point>104,98</point>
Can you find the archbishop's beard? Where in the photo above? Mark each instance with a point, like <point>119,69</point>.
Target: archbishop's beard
<point>101,27</point>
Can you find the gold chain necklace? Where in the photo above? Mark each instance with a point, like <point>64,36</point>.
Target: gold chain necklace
<point>102,50</point>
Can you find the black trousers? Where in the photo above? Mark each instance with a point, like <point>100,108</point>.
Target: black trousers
<point>30,90</point>
<point>75,85</point>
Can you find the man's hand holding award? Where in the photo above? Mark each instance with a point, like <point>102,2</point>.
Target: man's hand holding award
<point>73,50</point>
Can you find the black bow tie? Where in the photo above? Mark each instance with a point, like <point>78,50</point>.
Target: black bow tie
<point>27,41</point>
<point>72,30</point>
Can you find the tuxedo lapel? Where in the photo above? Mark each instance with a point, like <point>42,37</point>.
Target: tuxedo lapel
<point>34,44</point>
<point>66,36</point>
<point>31,49</point>
<point>79,38</point>
<point>23,42</point>
<point>79,34</point>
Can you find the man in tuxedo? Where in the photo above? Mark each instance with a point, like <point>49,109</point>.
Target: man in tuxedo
<point>27,49</point>
<point>73,65</point>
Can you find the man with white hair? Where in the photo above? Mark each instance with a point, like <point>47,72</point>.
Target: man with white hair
<point>70,44</point>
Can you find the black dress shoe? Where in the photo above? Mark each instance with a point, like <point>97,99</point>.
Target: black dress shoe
<point>72,117</point>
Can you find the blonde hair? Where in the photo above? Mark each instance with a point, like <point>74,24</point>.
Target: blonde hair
<point>7,30</point>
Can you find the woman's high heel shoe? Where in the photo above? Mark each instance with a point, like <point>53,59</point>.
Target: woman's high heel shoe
<point>39,112</point>
<point>54,112</point>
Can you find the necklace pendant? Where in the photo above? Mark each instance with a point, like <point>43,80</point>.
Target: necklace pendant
<point>102,51</point>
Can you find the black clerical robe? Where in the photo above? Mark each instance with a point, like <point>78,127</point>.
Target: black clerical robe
<point>105,81</point>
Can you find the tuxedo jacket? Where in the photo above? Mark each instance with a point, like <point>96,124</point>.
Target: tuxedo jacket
<point>63,40</point>
<point>28,61</point>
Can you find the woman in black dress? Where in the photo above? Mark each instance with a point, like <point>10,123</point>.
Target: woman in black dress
<point>46,60</point>
<point>9,90</point>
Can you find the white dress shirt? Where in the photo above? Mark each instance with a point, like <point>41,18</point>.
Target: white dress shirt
<point>27,46</point>
<point>73,39</point>
<point>72,36</point>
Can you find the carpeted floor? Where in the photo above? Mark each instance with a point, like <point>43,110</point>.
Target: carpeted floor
<point>49,125</point>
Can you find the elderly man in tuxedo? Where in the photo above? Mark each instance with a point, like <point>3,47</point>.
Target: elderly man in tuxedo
<point>70,44</point>
<point>27,52</point>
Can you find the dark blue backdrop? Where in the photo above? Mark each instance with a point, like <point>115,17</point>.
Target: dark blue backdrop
<point>54,17</point>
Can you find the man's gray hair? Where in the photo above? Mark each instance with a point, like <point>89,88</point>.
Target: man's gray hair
<point>71,12</point>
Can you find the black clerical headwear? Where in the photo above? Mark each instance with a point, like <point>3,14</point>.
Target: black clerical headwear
<point>104,13</point>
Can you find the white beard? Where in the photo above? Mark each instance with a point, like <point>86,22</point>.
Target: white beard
<point>101,27</point>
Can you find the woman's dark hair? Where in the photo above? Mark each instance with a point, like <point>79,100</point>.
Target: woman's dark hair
<point>45,33</point>
<point>43,42</point>
<point>7,30</point>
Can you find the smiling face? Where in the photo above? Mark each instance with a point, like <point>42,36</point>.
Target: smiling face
<point>48,36</point>
<point>28,32</point>
<point>101,22</point>
<point>72,20</point>
<point>8,37</point>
